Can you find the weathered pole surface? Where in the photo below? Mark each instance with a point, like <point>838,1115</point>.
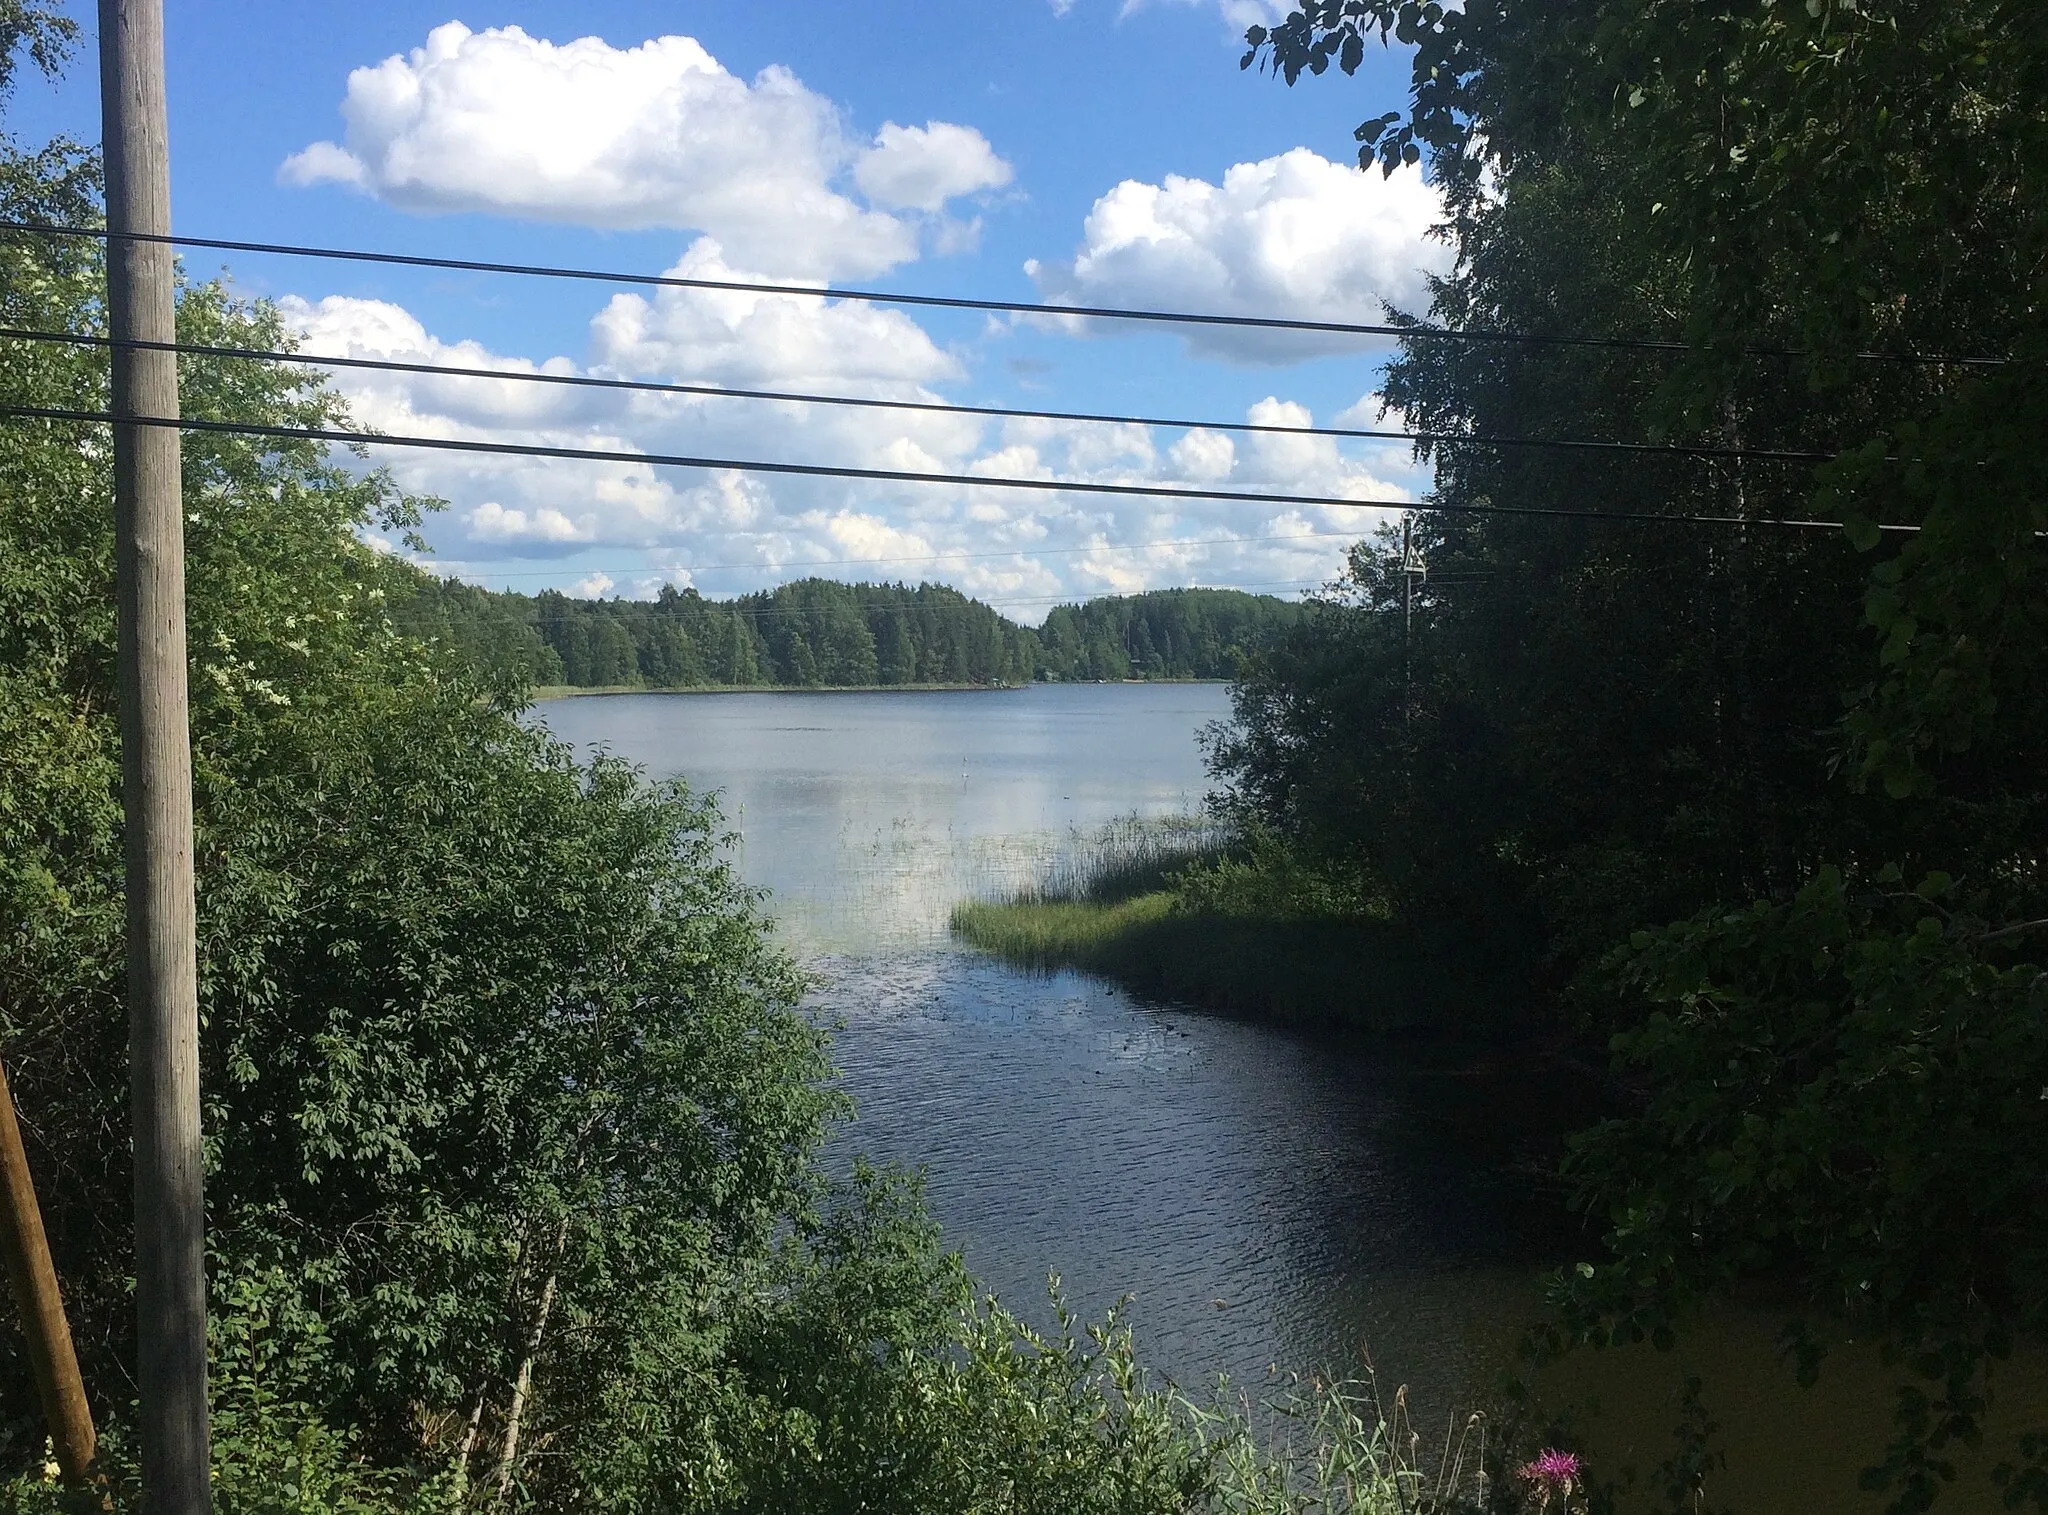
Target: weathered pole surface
<point>33,1278</point>
<point>156,763</point>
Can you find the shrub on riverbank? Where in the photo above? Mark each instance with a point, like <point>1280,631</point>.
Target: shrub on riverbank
<point>870,1381</point>
<point>1247,930</point>
<point>508,1095</point>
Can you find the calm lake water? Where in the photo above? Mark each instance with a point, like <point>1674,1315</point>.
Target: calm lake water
<point>1265,1197</point>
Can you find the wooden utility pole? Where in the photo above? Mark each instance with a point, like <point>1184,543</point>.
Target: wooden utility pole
<point>1407,617</point>
<point>33,1278</point>
<point>156,767</point>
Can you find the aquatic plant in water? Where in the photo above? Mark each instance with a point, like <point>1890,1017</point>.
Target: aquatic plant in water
<point>1129,856</point>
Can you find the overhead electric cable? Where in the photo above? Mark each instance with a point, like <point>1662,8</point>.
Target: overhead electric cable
<point>961,302</point>
<point>893,475</point>
<point>931,407</point>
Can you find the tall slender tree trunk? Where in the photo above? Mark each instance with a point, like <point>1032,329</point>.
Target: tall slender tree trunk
<point>470,1433</point>
<point>1742,566</point>
<point>522,1383</point>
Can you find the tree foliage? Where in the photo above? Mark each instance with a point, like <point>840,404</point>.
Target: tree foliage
<point>1166,633</point>
<point>505,1086</point>
<point>804,634</point>
<point>45,33</point>
<point>1821,754</point>
<point>818,633</point>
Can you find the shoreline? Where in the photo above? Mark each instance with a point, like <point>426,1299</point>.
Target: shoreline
<point>1328,973</point>
<point>598,691</point>
<point>594,691</point>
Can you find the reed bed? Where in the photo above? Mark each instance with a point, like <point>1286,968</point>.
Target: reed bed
<point>1131,856</point>
<point>1180,908</point>
<point>1336,1448</point>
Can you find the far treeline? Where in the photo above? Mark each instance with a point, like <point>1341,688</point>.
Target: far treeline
<point>818,633</point>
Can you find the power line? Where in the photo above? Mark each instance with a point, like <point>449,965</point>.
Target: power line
<point>897,476</point>
<point>961,302</point>
<point>932,407</point>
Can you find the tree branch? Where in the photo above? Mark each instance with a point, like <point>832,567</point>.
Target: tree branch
<point>2015,930</point>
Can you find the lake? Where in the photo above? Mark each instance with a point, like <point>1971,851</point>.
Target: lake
<point>1266,1198</point>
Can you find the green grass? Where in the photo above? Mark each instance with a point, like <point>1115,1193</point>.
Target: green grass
<point>1056,933</point>
<point>1129,857</point>
<point>1330,972</point>
<point>1173,910</point>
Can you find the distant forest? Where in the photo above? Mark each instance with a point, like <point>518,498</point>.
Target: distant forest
<point>818,633</point>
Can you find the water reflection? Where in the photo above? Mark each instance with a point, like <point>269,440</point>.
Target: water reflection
<point>1261,1196</point>
<point>870,814</point>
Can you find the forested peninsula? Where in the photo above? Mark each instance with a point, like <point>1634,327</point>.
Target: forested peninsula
<point>818,633</point>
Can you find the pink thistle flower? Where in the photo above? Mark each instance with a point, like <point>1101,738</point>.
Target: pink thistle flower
<point>1552,1471</point>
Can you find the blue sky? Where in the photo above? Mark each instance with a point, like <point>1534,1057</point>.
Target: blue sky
<point>1097,151</point>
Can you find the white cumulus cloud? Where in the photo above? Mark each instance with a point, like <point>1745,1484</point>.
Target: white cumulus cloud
<point>658,135</point>
<point>607,523</point>
<point>1294,236</point>
<point>922,167</point>
<point>740,338</point>
<point>493,523</point>
<point>1205,455</point>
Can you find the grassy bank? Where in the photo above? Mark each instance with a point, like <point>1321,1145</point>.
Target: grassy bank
<point>1304,972</point>
<point>1177,913</point>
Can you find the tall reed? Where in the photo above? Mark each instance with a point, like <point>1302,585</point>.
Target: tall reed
<point>1129,856</point>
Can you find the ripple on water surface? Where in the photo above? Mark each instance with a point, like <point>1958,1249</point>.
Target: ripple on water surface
<point>1266,1198</point>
